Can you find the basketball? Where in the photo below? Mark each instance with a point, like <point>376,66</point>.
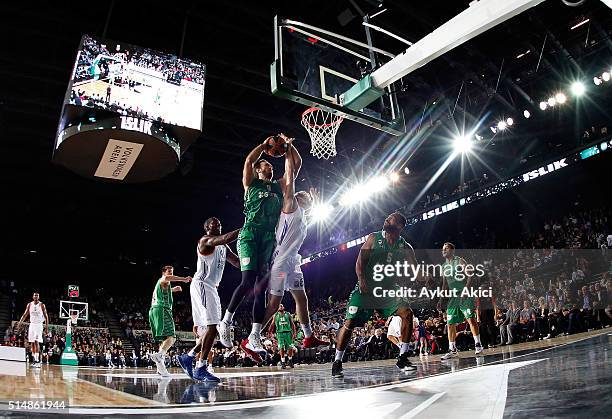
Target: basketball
<point>276,146</point>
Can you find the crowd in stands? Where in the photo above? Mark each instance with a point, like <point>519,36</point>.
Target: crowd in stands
<point>166,64</point>
<point>552,285</point>
<point>340,234</point>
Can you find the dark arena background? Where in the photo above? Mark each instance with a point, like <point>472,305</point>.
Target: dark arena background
<point>125,126</point>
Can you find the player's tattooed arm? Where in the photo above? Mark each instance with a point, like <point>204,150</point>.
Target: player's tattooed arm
<point>362,262</point>
<point>207,242</point>
<point>231,257</point>
<point>248,172</point>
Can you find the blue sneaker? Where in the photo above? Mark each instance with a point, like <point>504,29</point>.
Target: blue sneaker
<point>202,374</point>
<point>186,363</point>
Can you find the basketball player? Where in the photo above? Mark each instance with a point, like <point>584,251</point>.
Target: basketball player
<point>160,316</point>
<point>37,312</point>
<point>256,240</point>
<point>459,309</point>
<point>385,247</point>
<point>284,328</point>
<point>212,253</point>
<point>285,273</point>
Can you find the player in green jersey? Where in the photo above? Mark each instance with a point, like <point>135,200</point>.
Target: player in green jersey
<point>384,248</point>
<point>160,315</point>
<point>459,309</point>
<point>284,328</point>
<point>263,198</point>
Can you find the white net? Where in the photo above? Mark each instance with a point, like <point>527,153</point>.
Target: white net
<point>322,127</point>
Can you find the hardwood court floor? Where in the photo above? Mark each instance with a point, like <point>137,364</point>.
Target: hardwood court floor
<point>502,383</point>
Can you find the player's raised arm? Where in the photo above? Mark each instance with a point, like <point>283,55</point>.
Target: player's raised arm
<point>295,155</point>
<point>231,257</point>
<point>362,262</point>
<point>212,241</point>
<point>288,181</point>
<point>248,172</point>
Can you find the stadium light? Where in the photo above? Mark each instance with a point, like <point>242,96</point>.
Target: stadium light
<point>376,184</point>
<point>543,105</point>
<point>597,81</point>
<point>501,125</point>
<point>605,76</point>
<point>321,212</point>
<point>494,129</point>
<point>552,101</point>
<point>510,122</point>
<point>406,170</point>
<point>526,113</point>
<point>577,88</point>
<point>462,144</point>
<point>394,176</point>
<point>560,97</point>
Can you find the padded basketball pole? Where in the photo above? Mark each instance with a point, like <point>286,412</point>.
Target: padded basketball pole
<point>478,18</point>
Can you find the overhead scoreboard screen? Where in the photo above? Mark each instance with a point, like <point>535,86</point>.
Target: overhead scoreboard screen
<point>129,112</point>
<point>138,82</point>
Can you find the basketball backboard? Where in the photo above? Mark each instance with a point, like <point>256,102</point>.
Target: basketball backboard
<point>70,307</point>
<point>315,67</point>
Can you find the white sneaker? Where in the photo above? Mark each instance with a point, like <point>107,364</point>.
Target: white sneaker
<point>449,355</point>
<point>255,343</point>
<point>210,369</point>
<point>547,336</point>
<point>224,334</point>
<point>478,348</point>
<point>161,366</point>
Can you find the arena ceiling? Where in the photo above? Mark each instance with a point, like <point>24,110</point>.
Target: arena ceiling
<point>55,210</point>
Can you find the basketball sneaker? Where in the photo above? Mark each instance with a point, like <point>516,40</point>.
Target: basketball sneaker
<point>246,347</point>
<point>283,365</point>
<point>479,348</point>
<point>255,342</point>
<point>403,363</point>
<point>202,374</point>
<point>186,363</point>
<point>449,355</point>
<point>160,364</point>
<point>210,369</point>
<point>225,334</point>
<point>337,369</point>
<point>313,342</point>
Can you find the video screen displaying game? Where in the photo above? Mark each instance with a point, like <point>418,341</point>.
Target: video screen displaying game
<point>138,82</point>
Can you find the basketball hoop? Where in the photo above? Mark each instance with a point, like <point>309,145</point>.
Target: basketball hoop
<point>74,316</point>
<point>322,127</point>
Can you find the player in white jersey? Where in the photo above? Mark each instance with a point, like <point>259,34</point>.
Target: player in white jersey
<point>285,273</point>
<point>212,252</point>
<point>38,315</point>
